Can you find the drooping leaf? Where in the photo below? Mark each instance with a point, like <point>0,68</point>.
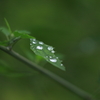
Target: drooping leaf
<point>39,59</point>
<point>22,34</point>
<point>36,58</point>
<point>46,52</point>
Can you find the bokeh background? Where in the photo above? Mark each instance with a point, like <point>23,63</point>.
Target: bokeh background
<point>72,27</point>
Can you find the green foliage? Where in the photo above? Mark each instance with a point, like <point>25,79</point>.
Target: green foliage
<point>36,58</point>
<point>5,31</point>
<point>22,34</point>
<point>4,43</point>
<point>46,52</point>
<point>42,50</point>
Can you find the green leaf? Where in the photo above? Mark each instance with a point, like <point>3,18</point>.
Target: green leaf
<point>5,31</point>
<point>4,43</point>
<point>46,52</point>
<point>22,34</point>
<point>23,31</point>
<point>38,59</point>
<point>8,25</point>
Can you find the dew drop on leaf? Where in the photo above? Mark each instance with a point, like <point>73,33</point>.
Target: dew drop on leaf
<point>31,39</point>
<point>39,47</point>
<point>41,42</point>
<point>34,42</point>
<point>61,64</point>
<point>50,48</point>
<point>34,39</point>
<point>53,51</point>
<point>46,56</point>
<point>50,57</point>
<point>47,52</point>
<point>53,60</point>
<point>30,43</point>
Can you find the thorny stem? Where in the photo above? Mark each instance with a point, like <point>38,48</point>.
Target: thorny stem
<point>53,76</point>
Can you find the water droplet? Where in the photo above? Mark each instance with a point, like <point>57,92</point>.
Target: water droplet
<point>41,42</point>
<point>34,42</point>
<point>50,56</point>
<point>61,64</point>
<point>34,39</point>
<point>53,60</point>
<point>50,48</point>
<point>39,47</point>
<point>31,39</point>
<point>30,43</point>
<point>53,51</point>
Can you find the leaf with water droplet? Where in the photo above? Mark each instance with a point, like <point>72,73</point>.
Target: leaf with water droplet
<point>46,52</point>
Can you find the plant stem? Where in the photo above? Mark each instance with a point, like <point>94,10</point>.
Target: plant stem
<point>53,76</point>
<point>8,25</point>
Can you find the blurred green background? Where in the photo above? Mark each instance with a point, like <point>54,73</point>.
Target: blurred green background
<point>72,28</point>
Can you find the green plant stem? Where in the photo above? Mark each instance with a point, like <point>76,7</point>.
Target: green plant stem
<point>8,25</point>
<point>58,79</point>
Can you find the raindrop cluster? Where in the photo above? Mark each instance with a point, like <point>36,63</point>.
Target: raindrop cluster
<point>50,48</point>
<point>34,43</point>
<point>46,52</point>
